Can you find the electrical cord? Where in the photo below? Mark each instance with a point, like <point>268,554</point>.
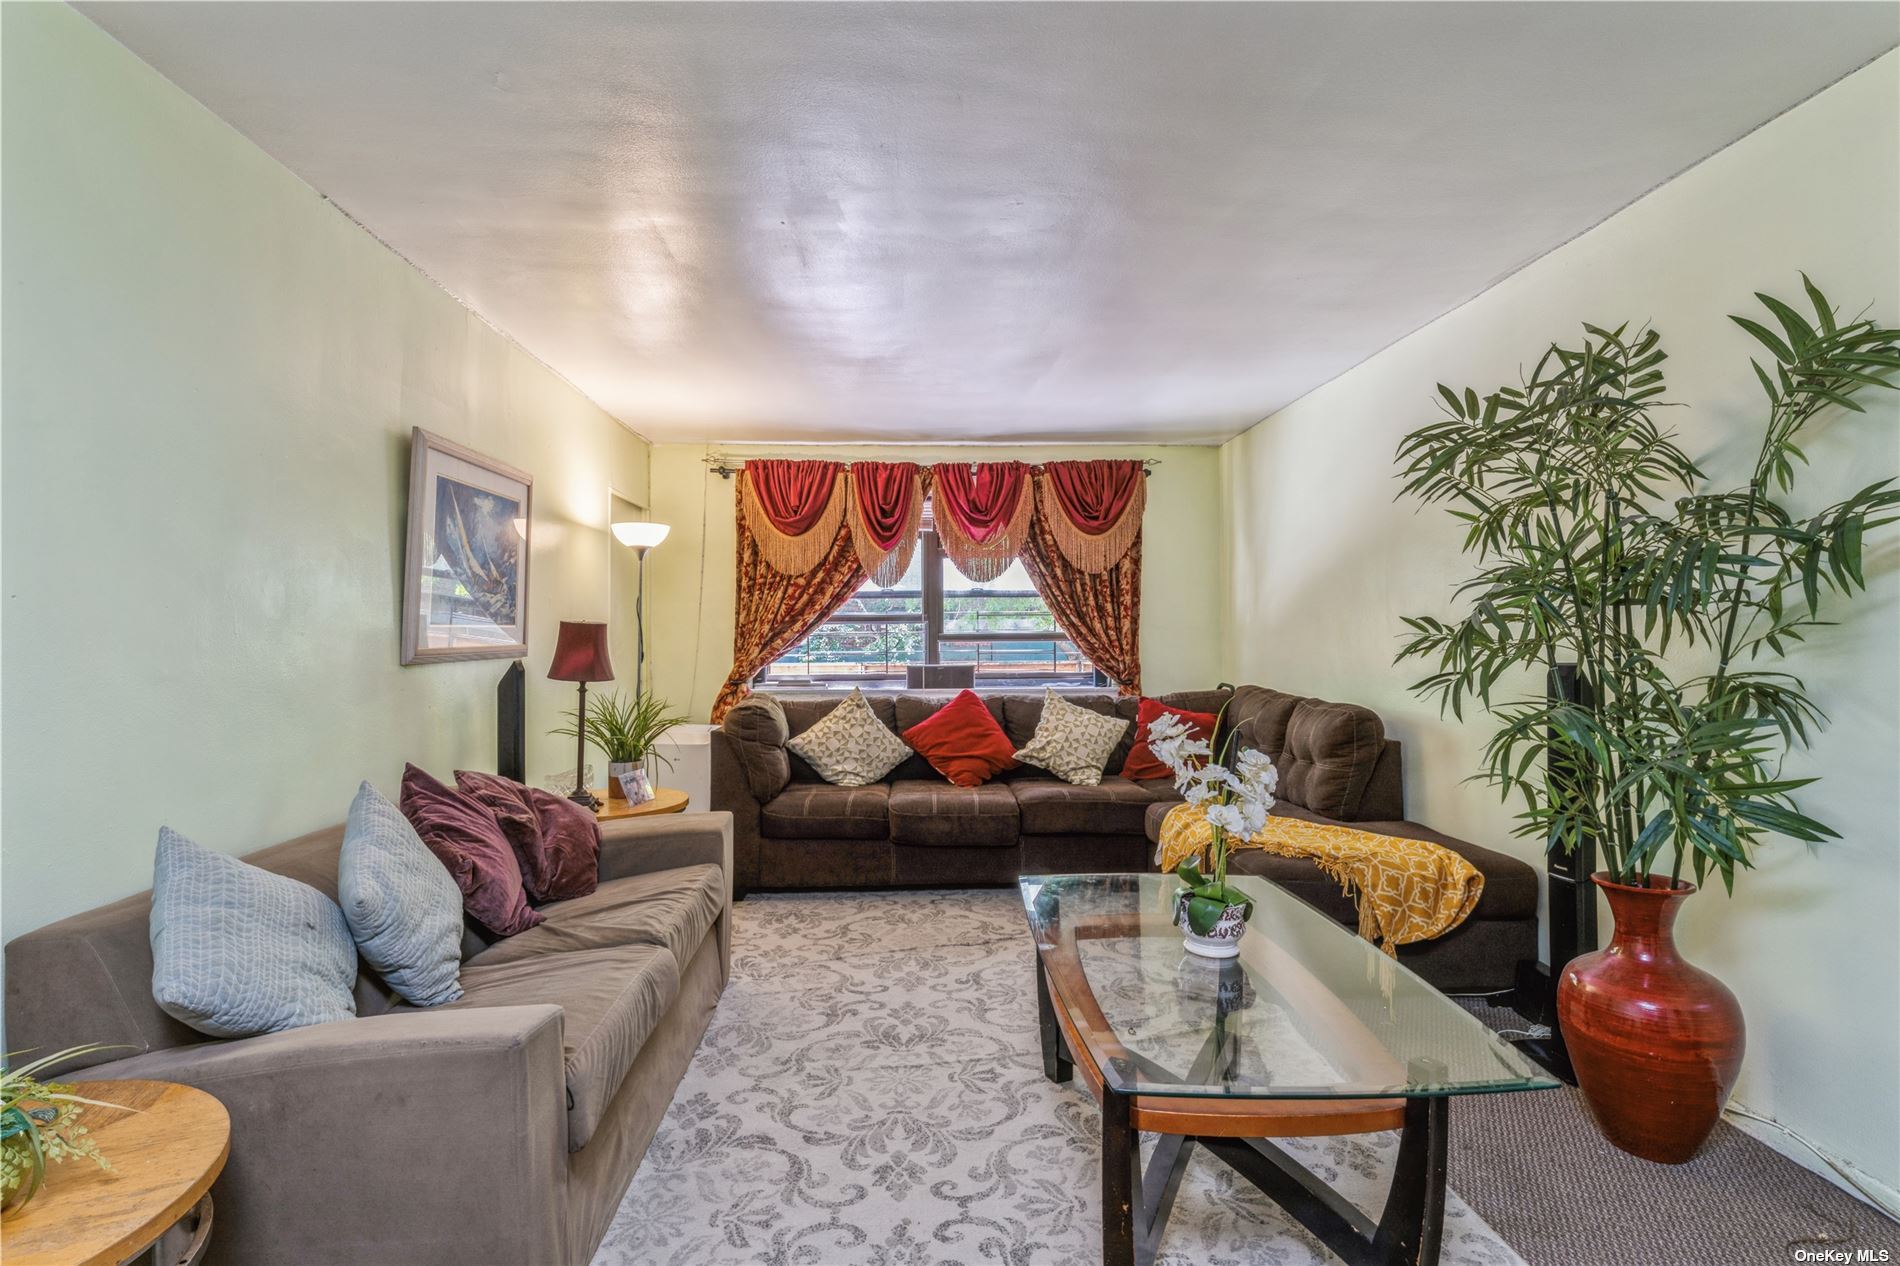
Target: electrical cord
<point>1878,1200</point>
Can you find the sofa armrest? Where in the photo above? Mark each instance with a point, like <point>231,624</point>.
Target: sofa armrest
<point>732,793</point>
<point>639,846</point>
<point>413,1136</point>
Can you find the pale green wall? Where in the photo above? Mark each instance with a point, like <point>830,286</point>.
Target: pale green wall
<point>210,378</point>
<point>1323,563</point>
<point>690,578</point>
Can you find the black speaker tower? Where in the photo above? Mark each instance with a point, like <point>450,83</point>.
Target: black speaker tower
<point>511,724</point>
<point>1573,915</point>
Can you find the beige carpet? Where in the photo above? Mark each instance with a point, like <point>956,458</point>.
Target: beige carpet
<point>871,1091</point>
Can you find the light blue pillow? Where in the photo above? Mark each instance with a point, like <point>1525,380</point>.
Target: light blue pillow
<point>402,905</point>
<point>237,950</point>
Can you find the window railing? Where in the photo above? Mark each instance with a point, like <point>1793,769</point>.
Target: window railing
<point>1008,635</point>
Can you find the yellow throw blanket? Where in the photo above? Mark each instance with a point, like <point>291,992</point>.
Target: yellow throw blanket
<point>1407,890</point>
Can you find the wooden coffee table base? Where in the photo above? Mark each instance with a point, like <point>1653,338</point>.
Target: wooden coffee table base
<point>1135,1206</point>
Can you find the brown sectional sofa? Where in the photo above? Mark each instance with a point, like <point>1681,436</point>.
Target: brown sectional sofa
<point>504,1127</point>
<point>792,830</point>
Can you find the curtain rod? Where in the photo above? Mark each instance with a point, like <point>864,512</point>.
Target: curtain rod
<point>727,467</point>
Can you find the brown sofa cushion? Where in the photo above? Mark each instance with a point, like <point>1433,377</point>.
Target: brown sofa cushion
<point>611,1000</point>
<point>1325,752</point>
<point>1115,807</point>
<point>1259,716</point>
<point>1198,700</point>
<point>1330,752</point>
<point>932,812</point>
<point>673,909</point>
<point>758,730</point>
<point>820,811</point>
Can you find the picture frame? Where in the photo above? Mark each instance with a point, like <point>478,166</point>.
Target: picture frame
<point>465,563</point>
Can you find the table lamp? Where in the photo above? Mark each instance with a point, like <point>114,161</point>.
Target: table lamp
<point>640,537</point>
<point>580,654</point>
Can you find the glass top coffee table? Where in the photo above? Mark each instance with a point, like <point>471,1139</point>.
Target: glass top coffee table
<point>1310,1031</point>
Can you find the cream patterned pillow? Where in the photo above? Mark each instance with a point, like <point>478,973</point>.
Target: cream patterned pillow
<point>850,747</point>
<point>1071,742</point>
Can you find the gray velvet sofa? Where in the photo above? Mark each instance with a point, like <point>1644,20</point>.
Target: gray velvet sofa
<point>793,830</point>
<point>504,1127</point>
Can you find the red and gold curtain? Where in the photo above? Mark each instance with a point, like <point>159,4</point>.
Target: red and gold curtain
<point>785,511</point>
<point>1093,509</point>
<point>884,507</point>
<point>793,509</point>
<point>982,512</point>
<point>809,532</point>
<point>1100,610</point>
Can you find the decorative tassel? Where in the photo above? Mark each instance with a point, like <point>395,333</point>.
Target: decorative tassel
<point>793,555</point>
<point>1086,552</point>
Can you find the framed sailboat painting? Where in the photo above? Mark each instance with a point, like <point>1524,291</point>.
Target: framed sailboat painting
<point>465,571</point>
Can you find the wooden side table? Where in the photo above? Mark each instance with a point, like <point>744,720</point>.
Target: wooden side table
<point>665,800</point>
<point>165,1154</point>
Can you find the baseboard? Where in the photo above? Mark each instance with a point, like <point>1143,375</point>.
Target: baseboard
<point>1849,1177</point>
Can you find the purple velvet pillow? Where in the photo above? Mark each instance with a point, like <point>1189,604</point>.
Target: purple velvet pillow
<point>556,841</point>
<point>464,835</point>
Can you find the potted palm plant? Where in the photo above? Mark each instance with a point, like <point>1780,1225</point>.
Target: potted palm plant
<point>1602,547</point>
<point>626,731</point>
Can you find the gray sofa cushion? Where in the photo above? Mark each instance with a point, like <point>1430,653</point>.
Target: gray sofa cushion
<point>611,1000</point>
<point>238,951</point>
<point>673,909</point>
<point>932,812</point>
<point>402,905</point>
<point>820,811</point>
<point>1116,806</point>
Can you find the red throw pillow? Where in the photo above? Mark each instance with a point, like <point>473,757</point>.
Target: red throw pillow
<point>963,742</point>
<point>1141,762</point>
<point>463,834</point>
<point>556,841</point>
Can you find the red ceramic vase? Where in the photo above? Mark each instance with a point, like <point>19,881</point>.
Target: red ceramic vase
<point>1656,1042</point>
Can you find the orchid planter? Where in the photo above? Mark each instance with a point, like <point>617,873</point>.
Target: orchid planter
<point>1221,939</point>
<point>1234,796</point>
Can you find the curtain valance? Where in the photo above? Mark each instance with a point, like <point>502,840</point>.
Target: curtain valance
<point>793,509</point>
<point>886,504</point>
<point>1093,509</point>
<point>982,511</point>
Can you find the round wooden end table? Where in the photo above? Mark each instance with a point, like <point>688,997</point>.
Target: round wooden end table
<point>665,800</point>
<point>165,1154</point>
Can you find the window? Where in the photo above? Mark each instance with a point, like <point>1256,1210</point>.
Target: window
<point>935,614</point>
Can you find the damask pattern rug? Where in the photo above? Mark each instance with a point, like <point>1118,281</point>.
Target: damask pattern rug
<point>870,1092</point>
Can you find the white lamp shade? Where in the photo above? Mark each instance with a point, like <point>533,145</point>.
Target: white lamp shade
<point>640,535</point>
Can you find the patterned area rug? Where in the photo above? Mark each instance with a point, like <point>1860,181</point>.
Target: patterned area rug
<point>871,1091</point>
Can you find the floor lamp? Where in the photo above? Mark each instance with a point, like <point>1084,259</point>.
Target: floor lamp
<point>640,537</point>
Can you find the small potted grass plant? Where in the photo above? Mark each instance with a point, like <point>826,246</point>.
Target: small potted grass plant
<point>1234,797</point>
<point>39,1122</point>
<point>626,731</point>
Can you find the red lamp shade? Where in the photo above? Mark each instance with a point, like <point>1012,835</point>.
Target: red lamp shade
<point>581,653</point>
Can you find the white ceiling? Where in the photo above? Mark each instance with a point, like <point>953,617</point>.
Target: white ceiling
<point>977,222</point>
